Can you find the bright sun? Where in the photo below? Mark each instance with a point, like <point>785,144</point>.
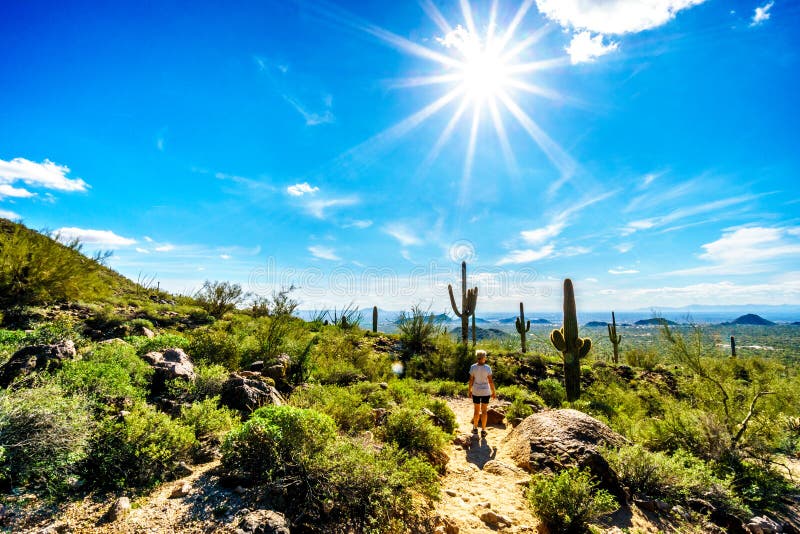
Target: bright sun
<point>484,75</point>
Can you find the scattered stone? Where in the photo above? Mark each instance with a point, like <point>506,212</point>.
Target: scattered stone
<point>494,519</point>
<point>496,415</point>
<point>463,440</point>
<point>276,372</point>
<point>379,414</point>
<point>59,527</point>
<point>113,341</point>
<point>119,510</point>
<point>383,385</point>
<point>652,505</point>
<point>451,492</point>
<point>35,358</point>
<point>247,393</point>
<point>763,525</point>
<point>146,332</point>
<point>182,470</point>
<point>180,490</point>
<point>515,421</point>
<point>172,364</point>
<point>256,366</point>
<point>681,512</point>
<point>557,439</point>
<point>499,468</point>
<point>445,525</point>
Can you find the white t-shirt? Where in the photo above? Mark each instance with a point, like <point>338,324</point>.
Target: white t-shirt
<point>481,373</point>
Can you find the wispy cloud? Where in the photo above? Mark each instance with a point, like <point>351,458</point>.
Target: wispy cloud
<point>141,250</point>
<point>358,223</point>
<point>7,190</point>
<point>318,207</point>
<point>298,190</point>
<point>622,270</point>
<point>762,14</point>
<point>624,247</point>
<point>9,215</point>
<point>540,235</point>
<point>165,248</point>
<point>323,253</point>
<point>527,255</point>
<point>747,250</point>
<point>45,175</point>
<point>105,238</point>
<point>312,118</point>
<point>585,49</point>
<point>225,256</point>
<point>683,213</point>
<point>403,234</point>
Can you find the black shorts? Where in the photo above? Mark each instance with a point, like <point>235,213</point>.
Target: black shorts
<point>480,399</point>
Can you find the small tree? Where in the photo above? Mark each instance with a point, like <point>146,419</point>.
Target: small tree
<point>418,330</point>
<point>218,298</point>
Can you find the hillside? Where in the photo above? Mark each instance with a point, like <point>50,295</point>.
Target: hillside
<point>752,319</point>
<point>655,321</point>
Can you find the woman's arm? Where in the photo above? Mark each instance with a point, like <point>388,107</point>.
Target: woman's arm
<point>491,385</point>
<point>471,380</point>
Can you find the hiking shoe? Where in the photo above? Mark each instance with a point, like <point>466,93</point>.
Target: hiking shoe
<point>483,433</point>
<point>475,430</point>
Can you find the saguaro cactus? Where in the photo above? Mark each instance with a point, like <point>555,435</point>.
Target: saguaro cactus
<point>468,300</point>
<point>615,339</point>
<point>733,347</point>
<point>523,328</point>
<point>474,330</point>
<point>572,347</point>
<point>374,318</point>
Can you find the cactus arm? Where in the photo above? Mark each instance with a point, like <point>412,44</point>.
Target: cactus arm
<point>586,346</point>
<point>528,327</point>
<point>557,339</point>
<point>453,301</point>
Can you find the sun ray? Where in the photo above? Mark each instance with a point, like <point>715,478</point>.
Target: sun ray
<point>536,90</point>
<point>466,10</point>
<point>528,42</point>
<point>557,155</point>
<point>443,138</point>
<point>436,16</point>
<point>542,64</point>
<point>509,33</point>
<point>492,22</point>
<point>466,177</point>
<point>508,154</point>
<point>420,81</point>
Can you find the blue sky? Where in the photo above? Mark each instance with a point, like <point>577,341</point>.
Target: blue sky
<point>646,149</point>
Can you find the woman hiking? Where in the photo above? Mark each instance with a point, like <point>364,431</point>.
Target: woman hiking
<point>481,387</point>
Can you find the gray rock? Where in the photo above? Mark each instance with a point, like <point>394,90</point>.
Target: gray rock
<point>119,510</point>
<point>180,490</point>
<point>496,415</point>
<point>494,519</point>
<point>264,522</point>
<point>146,332</point>
<point>247,393</point>
<point>172,364</point>
<point>35,358</point>
<point>763,525</point>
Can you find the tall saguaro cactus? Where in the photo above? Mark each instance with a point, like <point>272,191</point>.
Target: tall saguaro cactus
<point>615,339</point>
<point>374,318</point>
<point>469,299</point>
<point>733,347</point>
<point>523,328</point>
<point>572,347</point>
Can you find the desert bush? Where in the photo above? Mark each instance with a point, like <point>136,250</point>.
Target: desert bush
<point>161,342</point>
<point>569,501</point>
<point>138,449</point>
<point>417,331</point>
<point>412,431</point>
<point>277,441</point>
<point>61,328</point>
<point>43,434</point>
<point>218,298</point>
<point>645,358</point>
<point>215,346</point>
<point>518,409</point>
<point>35,269</point>
<point>110,374</point>
<point>675,478</point>
<point>552,392</point>
<point>442,388</point>
<point>345,405</point>
<point>208,419</point>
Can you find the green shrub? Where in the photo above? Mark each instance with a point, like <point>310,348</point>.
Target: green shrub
<point>137,450</point>
<point>219,298</point>
<point>552,392</point>
<point>442,388</point>
<point>110,373</point>
<point>569,501</point>
<point>208,382</point>
<point>62,328</point>
<point>208,419</point>
<point>641,357</point>
<point>444,415</point>
<point>761,486</point>
<point>277,441</point>
<point>43,434</point>
<point>417,331</point>
<point>412,431</point>
<point>518,409</point>
<point>159,343</point>
<point>214,346</point>
<point>345,405</point>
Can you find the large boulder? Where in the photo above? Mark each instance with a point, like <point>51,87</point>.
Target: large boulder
<point>35,358</point>
<point>553,440</point>
<point>264,522</point>
<point>247,391</point>
<point>172,364</point>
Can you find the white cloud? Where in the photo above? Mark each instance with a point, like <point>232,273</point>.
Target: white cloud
<point>683,213</point>
<point>613,16</point>
<point>584,48</point>
<point>9,215</point>
<point>360,224</point>
<point>540,235</point>
<point>622,270</point>
<point>94,237</point>
<point>624,247</point>
<point>141,250</point>
<point>405,254</point>
<point>403,234</point>
<point>592,280</point>
<point>762,14</point>
<point>298,190</point>
<point>225,256</point>
<point>312,118</point>
<point>148,239</point>
<point>14,192</point>
<point>527,256</point>
<point>317,207</point>
<point>746,250</point>
<point>323,253</point>
<point>165,248</point>
<point>47,175</point>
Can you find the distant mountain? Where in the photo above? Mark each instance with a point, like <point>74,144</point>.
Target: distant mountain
<point>796,323</point>
<point>480,333</point>
<point>655,321</point>
<point>752,319</point>
<point>513,320</point>
<point>591,324</point>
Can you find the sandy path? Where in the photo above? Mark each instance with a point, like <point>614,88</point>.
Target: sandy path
<point>482,480</point>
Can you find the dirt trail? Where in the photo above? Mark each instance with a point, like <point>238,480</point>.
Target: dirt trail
<point>482,480</point>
